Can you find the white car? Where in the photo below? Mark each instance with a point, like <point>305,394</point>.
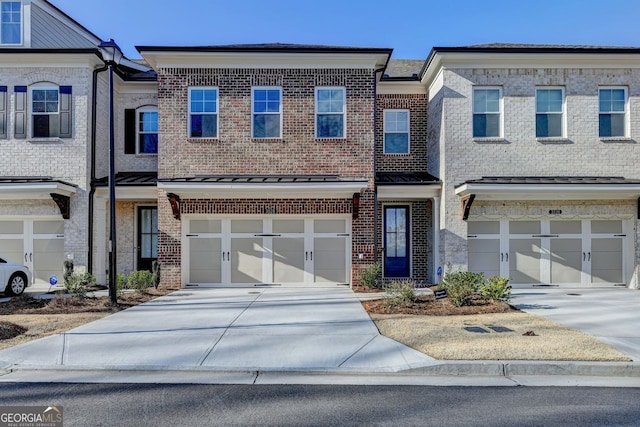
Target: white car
<point>14,277</point>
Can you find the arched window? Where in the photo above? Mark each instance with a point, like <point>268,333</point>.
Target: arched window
<point>50,111</point>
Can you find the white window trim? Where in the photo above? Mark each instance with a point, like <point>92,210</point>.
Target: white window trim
<point>145,109</point>
<point>563,120</point>
<point>384,130</point>
<point>500,113</point>
<point>627,119</point>
<point>217,113</point>
<point>23,11</point>
<point>254,113</point>
<point>343,113</point>
<point>30,121</point>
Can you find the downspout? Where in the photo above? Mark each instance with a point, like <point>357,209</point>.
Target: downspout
<point>375,163</point>
<point>92,191</point>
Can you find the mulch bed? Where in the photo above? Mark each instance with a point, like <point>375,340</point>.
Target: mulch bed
<point>70,305</point>
<point>10,330</point>
<point>427,305</point>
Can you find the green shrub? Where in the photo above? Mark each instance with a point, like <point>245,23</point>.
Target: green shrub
<point>139,280</point>
<point>400,293</point>
<point>77,284</point>
<point>496,288</point>
<point>121,283</point>
<point>461,286</point>
<point>68,269</point>
<point>370,275</point>
<point>155,271</point>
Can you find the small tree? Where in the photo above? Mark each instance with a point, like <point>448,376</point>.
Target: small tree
<point>155,272</point>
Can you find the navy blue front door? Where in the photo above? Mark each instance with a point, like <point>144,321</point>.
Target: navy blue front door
<point>396,241</point>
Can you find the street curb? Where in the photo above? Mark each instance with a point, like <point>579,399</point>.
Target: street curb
<point>467,368</point>
<point>525,367</point>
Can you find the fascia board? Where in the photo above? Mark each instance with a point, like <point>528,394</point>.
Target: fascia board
<point>549,192</point>
<point>23,191</point>
<point>244,190</point>
<point>129,193</point>
<point>137,87</point>
<point>469,60</point>
<point>389,192</point>
<point>270,60</point>
<point>52,59</point>
<point>401,88</point>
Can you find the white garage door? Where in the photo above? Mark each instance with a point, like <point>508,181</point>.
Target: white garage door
<point>248,251</point>
<point>38,244</point>
<point>551,252</point>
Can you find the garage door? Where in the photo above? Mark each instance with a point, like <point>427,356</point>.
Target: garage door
<point>248,251</point>
<point>38,244</point>
<point>551,252</point>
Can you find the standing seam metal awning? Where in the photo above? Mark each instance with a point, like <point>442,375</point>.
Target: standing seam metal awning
<point>550,188</point>
<point>263,186</point>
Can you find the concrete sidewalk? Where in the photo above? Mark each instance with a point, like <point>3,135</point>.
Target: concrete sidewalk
<point>301,336</point>
<point>250,329</point>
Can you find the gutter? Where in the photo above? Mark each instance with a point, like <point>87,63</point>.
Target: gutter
<point>92,184</point>
<point>375,162</point>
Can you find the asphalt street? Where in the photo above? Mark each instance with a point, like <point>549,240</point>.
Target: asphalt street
<point>313,405</point>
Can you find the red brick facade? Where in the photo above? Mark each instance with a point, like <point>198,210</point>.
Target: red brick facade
<point>421,227</point>
<point>416,160</point>
<point>234,152</point>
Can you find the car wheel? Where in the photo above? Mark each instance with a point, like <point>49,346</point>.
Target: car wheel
<point>17,284</point>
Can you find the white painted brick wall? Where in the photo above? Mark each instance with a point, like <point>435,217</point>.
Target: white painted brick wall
<point>460,158</point>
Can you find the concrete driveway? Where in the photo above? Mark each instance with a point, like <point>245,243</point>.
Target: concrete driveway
<point>249,329</point>
<point>610,314</point>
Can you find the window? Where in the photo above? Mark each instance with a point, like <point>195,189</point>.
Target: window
<point>50,110</point>
<point>203,112</point>
<point>10,22</point>
<point>147,126</point>
<point>330,112</point>
<point>266,113</point>
<point>549,112</point>
<point>613,114</point>
<point>486,112</point>
<point>396,131</point>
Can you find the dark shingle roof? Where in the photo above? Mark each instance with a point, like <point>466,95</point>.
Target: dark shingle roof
<point>266,47</point>
<point>403,68</point>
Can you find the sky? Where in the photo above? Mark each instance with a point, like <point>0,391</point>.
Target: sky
<point>410,27</point>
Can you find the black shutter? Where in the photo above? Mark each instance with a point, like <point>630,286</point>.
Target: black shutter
<point>130,131</point>
<point>21,112</point>
<point>66,122</point>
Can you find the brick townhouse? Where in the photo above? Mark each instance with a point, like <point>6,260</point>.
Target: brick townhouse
<point>298,165</point>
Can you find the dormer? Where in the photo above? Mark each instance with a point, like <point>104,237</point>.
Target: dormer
<point>38,24</point>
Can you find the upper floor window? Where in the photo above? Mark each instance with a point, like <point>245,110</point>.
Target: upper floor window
<point>147,134</point>
<point>266,112</point>
<point>203,112</point>
<point>613,112</point>
<point>10,22</point>
<point>330,112</point>
<point>396,131</point>
<point>45,103</point>
<point>487,112</point>
<point>549,112</point>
